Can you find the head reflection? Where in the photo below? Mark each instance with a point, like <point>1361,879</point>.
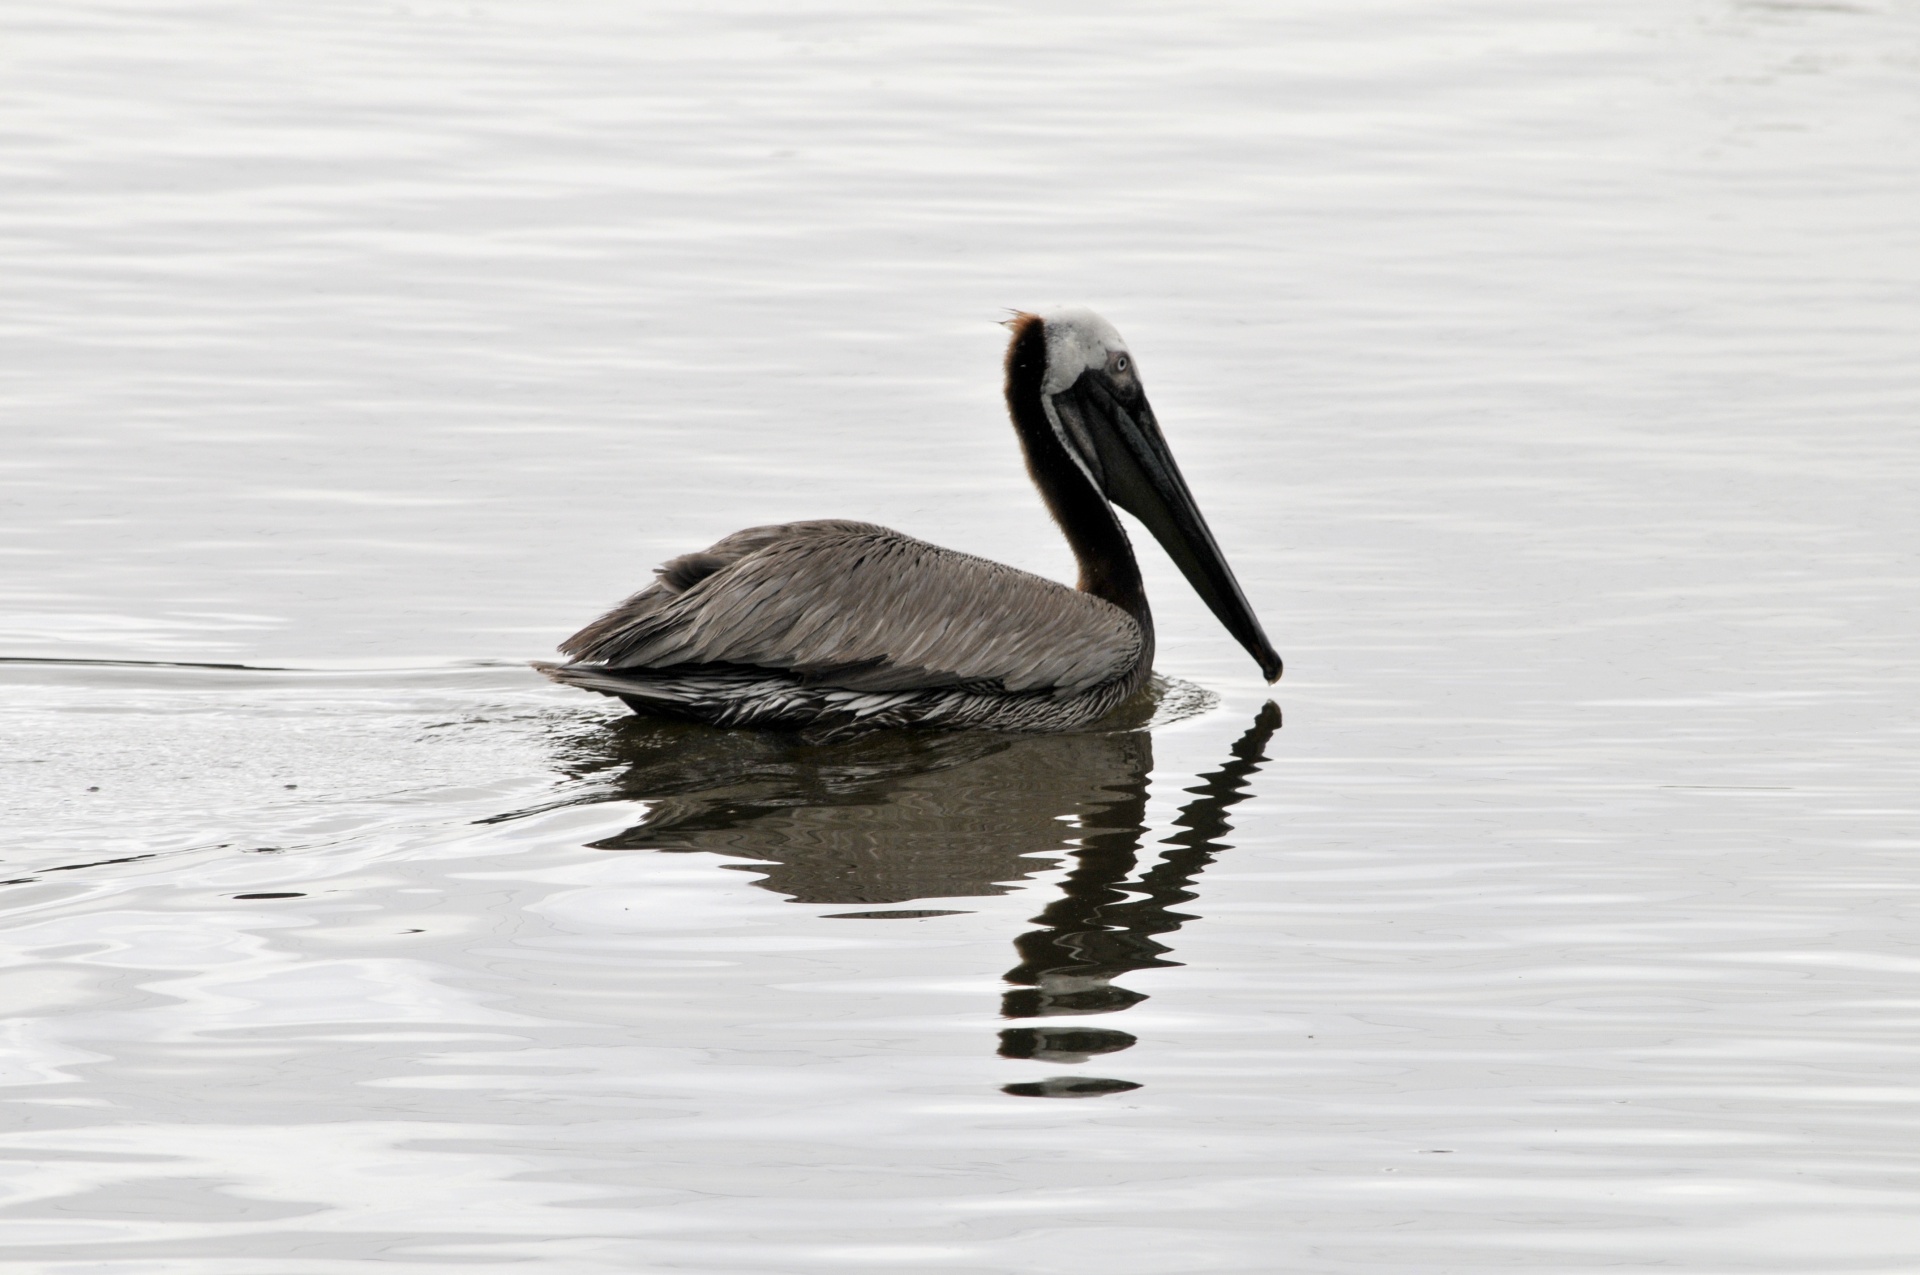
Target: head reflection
<point>894,818</point>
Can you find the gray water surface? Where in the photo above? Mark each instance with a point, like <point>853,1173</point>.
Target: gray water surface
<point>1546,372</point>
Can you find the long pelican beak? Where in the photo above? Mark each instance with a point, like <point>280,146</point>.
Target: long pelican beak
<point>1136,470</point>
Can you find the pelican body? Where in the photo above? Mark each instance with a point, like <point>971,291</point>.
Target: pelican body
<point>834,627</point>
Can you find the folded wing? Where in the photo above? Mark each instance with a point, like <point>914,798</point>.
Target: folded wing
<point>859,606</point>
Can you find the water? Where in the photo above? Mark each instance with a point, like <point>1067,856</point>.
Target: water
<point>1546,373</point>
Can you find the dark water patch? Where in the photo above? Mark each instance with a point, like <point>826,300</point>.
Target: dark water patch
<point>76,867</point>
<point>1068,1087</point>
<point>1062,1044</point>
<point>901,914</point>
<point>98,863</point>
<point>192,664</point>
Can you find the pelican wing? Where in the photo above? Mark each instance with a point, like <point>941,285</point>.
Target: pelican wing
<point>855,605</point>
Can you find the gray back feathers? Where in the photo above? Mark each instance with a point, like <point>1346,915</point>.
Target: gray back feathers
<point>857,606</point>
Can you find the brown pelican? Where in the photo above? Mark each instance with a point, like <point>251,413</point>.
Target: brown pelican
<point>834,627</point>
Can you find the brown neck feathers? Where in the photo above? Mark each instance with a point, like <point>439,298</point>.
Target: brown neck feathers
<point>1100,545</point>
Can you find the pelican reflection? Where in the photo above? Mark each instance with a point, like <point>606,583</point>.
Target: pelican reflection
<point>894,818</point>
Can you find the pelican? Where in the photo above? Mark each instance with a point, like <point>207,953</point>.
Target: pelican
<point>832,628</point>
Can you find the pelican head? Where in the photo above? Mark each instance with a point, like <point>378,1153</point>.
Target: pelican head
<point>1096,410</point>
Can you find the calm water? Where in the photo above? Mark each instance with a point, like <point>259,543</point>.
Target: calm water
<point>1548,373</point>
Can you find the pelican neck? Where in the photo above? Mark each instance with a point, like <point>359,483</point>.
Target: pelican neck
<point>1108,569</point>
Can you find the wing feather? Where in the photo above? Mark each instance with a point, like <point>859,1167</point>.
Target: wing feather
<point>857,605</point>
